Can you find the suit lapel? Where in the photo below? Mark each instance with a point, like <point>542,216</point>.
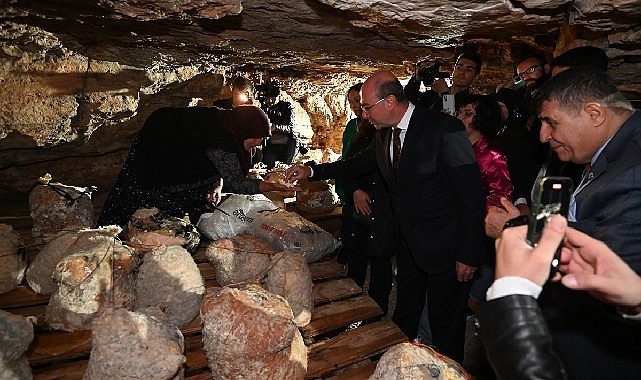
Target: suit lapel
<point>384,160</point>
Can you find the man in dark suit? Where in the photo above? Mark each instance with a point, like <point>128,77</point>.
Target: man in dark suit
<point>438,206</point>
<point>587,120</point>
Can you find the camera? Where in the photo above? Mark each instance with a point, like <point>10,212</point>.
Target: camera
<point>515,83</point>
<point>267,90</point>
<point>429,74</point>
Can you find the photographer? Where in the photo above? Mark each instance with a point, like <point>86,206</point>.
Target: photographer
<point>283,146</point>
<point>466,70</point>
<point>242,93</point>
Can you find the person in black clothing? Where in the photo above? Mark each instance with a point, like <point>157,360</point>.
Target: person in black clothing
<point>283,146</point>
<point>179,157</point>
<point>466,70</point>
<point>366,226</point>
<point>242,93</point>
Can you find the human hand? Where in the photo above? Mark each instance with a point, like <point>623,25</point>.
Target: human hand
<point>296,172</point>
<point>464,272</point>
<point>362,201</point>
<point>515,257</point>
<point>440,86</point>
<point>496,217</point>
<point>591,266</point>
<point>216,193</point>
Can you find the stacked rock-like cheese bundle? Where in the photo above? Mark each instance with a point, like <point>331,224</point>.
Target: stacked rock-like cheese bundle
<point>289,277</point>
<point>95,275</point>
<point>416,361</point>
<point>151,227</point>
<point>40,271</point>
<point>55,207</point>
<point>242,258</point>
<point>16,333</point>
<point>169,278</point>
<point>248,333</point>
<point>128,345</point>
<point>13,259</point>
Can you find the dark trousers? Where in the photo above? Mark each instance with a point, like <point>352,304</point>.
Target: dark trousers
<point>447,304</point>
<point>356,244</point>
<point>380,277</point>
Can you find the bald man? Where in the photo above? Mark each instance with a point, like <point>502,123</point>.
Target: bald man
<point>438,206</point>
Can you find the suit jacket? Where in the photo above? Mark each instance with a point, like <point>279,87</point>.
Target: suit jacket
<point>609,207</point>
<point>592,338</point>
<point>437,195</point>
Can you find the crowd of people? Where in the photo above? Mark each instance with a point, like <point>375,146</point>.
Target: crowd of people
<point>444,195</point>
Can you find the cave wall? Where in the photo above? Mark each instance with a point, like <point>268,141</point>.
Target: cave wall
<point>79,79</point>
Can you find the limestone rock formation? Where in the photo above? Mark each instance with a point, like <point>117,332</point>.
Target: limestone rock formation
<point>81,77</point>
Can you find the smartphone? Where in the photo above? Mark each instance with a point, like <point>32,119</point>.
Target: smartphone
<point>551,196</point>
<point>448,104</point>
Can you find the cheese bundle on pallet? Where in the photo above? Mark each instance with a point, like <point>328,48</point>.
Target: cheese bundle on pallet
<point>248,333</point>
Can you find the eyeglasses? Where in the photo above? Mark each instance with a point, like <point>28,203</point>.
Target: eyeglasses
<point>367,108</point>
<point>529,71</point>
<point>465,113</point>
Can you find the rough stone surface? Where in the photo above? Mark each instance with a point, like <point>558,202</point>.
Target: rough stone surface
<point>128,345</point>
<point>56,207</point>
<point>150,227</point>
<point>40,271</point>
<point>92,278</point>
<point>13,259</point>
<point>80,78</point>
<point>242,258</point>
<point>170,279</point>
<point>289,277</point>
<point>415,361</point>
<point>248,333</point>
<point>16,334</point>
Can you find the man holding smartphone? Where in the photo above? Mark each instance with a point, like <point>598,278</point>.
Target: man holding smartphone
<point>514,331</point>
<point>466,69</point>
<point>586,120</point>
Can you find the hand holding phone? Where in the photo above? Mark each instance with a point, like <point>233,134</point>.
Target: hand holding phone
<point>551,196</point>
<point>448,104</point>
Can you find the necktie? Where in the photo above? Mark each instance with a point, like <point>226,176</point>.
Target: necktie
<point>396,145</point>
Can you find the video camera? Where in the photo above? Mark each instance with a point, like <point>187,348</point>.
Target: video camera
<point>428,75</point>
<point>267,90</point>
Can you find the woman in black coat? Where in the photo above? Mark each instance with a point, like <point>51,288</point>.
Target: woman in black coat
<point>181,156</point>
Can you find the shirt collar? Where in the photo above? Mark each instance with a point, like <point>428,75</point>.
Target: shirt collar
<point>405,121</point>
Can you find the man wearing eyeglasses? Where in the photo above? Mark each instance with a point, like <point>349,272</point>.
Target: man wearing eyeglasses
<point>435,187</point>
<point>534,70</point>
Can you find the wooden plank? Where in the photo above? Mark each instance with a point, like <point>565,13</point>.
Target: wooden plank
<point>335,290</point>
<point>207,270</point>
<point>58,345</point>
<point>352,346</point>
<point>22,296</point>
<point>37,311</point>
<point>334,315</point>
<point>68,371</point>
<point>201,376</point>
<point>359,371</point>
<point>325,269</point>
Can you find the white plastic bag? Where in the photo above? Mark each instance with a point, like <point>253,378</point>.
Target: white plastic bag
<point>257,215</point>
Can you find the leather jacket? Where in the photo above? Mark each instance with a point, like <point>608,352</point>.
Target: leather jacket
<point>517,339</point>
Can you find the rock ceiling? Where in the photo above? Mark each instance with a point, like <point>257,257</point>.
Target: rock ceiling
<point>77,74</point>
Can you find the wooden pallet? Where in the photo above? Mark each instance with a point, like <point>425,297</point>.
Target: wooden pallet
<point>344,338</point>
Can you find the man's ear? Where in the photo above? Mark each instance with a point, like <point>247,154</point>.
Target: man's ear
<point>596,113</point>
